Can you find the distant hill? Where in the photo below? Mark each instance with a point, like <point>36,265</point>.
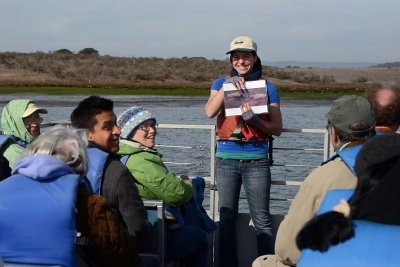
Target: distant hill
<point>312,64</point>
<point>65,68</point>
<point>387,65</point>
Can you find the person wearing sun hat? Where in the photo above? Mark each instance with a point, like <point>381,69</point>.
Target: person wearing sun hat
<point>154,181</point>
<point>242,154</point>
<point>20,123</point>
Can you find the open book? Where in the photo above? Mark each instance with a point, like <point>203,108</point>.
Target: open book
<point>255,94</point>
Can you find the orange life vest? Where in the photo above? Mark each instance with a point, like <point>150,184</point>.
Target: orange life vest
<point>231,127</point>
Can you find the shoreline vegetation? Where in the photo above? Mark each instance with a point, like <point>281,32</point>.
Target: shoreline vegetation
<point>63,72</point>
<point>168,90</point>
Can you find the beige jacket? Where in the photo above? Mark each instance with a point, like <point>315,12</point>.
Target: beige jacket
<point>332,175</point>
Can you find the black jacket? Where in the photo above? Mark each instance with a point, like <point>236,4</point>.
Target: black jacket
<point>119,188</point>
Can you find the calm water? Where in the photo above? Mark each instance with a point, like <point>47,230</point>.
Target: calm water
<point>190,110</point>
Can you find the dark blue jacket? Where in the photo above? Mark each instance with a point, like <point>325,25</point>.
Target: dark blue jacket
<point>111,179</point>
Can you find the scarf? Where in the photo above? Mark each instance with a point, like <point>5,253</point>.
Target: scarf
<point>254,76</point>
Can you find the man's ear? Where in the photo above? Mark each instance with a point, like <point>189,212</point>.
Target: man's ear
<point>90,135</point>
<point>335,140</point>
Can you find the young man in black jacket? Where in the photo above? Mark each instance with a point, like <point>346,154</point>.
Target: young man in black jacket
<point>108,176</point>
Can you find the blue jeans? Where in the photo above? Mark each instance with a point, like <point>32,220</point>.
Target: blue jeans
<point>255,176</point>
<point>189,244</point>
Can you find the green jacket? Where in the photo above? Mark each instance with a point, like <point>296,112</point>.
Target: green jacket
<point>12,124</point>
<point>154,181</point>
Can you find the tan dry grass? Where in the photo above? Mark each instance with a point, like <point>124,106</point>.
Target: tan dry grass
<point>14,75</point>
<point>341,75</point>
<point>55,69</point>
<point>349,75</point>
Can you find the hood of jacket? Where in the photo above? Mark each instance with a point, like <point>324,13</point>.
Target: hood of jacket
<point>11,119</point>
<point>41,167</point>
<point>127,147</point>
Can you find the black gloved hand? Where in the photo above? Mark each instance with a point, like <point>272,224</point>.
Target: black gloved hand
<point>233,79</point>
<point>250,117</point>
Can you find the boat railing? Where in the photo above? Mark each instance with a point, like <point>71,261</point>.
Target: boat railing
<point>326,151</point>
<point>246,235</point>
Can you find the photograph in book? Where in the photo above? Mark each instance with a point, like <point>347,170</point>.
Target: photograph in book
<point>255,93</point>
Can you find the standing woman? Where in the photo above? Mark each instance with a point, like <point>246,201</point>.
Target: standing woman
<point>240,159</point>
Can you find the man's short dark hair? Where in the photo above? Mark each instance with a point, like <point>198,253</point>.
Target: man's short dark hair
<point>389,114</point>
<point>364,132</point>
<point>84,116</point>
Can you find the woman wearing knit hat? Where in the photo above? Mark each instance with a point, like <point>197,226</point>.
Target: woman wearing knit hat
<point>242,151</point>
<point>154,181</point>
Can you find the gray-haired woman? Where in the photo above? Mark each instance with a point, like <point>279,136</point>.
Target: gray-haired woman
<point>42,204</point>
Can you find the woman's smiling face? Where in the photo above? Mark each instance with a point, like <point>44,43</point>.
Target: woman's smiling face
<point>243,62</point>
<point>146,133</point>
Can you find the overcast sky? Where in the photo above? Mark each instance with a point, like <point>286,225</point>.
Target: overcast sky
<point>307,30</point>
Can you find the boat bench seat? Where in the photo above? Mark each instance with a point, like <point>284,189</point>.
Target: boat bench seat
<point>156,255</point>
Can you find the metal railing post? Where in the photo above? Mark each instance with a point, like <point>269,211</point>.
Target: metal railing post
<point>327,145</point>
<point>213,193</point>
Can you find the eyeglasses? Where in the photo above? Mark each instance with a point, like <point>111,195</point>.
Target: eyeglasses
<point>146,127</point>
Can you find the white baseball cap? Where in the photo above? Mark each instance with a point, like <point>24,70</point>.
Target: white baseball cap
<point>242,43</point>
<point>31,108</point>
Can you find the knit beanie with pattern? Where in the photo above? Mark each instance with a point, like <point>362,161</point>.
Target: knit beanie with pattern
<point>131,118</point>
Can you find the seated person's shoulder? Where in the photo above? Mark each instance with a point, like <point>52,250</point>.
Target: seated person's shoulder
<point>115,167</point>
<point>12,152</point>
<point>117,177</point>
<point>326,169</point>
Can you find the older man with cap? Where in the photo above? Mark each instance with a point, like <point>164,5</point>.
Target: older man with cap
<point>351,121</point>
<point>20,122</point>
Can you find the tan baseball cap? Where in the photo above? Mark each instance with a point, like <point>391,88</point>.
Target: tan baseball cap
<point>33,108</point>
<point>242,43</point>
